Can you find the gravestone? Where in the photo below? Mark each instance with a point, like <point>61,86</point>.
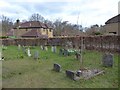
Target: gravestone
<point>107,60</point>
<point>19,47</point>
<point>65,52</point>
<point>53,49</point>
<point>1,57</point>
<point>79,73</point>
<point>77,56</point>
<point>60,51</point>
<point>46,49</point>
<point>70,74</point>
<point>57,67</point>
<point>42,47</point>
<point>28,52</point>
<point>36,55</point>
<point>24,50</point>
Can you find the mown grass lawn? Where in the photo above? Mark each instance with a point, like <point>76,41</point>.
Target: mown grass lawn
<point>27,73</point>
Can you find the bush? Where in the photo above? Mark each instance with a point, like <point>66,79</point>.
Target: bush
<point>3,37</point>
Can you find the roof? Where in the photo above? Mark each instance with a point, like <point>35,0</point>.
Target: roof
<point>33,24</point>
<point>114,19</point>
<point>72,33</point>
<point>34,33</point>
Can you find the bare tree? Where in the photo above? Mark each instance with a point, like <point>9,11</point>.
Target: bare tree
<point>36,17</point>
<point>7,24</point>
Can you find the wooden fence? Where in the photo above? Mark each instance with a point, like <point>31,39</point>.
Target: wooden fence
<point>102,43</point>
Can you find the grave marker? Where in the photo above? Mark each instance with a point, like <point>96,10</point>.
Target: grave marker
<point>19,47</point>
<point>42,47</point>
<point>65,52</point>
<point>1,57</point>
<point>24,50</point>
<point>36,55</point>
<point>46,49</point>
<point>70,74</point>
<point>77,56</point>
<point>107,60</point>
<point>28,52</point>
<point>57,67</point>
<point>61,51</point>
<point>53,49</point>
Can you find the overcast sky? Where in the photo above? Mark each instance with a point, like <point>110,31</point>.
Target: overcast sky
<point>90,12</point>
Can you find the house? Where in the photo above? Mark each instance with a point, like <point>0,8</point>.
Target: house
<point>32,29</point>
<point>69,33</point>
<point>111,26</point>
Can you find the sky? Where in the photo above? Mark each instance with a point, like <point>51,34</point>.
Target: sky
<point>83,12</point>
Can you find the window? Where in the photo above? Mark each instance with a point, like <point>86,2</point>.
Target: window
<point>113,32</point>
<point>50,30</point>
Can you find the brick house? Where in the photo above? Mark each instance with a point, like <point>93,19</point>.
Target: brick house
<point>32,29</point>
<point>111,26</point>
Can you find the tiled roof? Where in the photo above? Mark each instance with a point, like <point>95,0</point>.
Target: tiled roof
<point>114,19</point>
<point>34,33</point>
<point>72,33</point>
<point>33,24</point>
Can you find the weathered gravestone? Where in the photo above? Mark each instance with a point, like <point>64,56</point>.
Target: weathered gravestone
<point>70,74</point>
<point>57,67</point>
<point>77,56</point>
<point>107,60</point>
<point>66,52</point>
<point>28,52</point>
<point>24,50</point>
<point>79,73</point>
<point>42,47</point>
<point>53,49</point>
<point>60,51</point>
<point>1,57</point>
<point>46,49</point>
<point>19,47</point>
<point>36,55</point>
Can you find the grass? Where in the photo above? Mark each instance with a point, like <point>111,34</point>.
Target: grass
<point>26,72</point>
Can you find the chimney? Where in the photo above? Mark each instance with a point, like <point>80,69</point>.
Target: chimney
<point>17,22</point>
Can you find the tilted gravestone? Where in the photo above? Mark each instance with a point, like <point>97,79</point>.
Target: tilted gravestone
<point>36,55</point>
<point>70,74</point>
<point>107,60</point>
<point>57,67</point>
